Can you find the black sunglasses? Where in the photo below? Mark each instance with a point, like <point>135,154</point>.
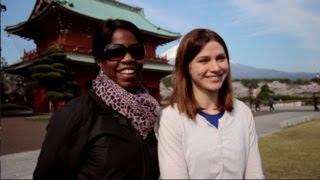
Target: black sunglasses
<point>116,52</point>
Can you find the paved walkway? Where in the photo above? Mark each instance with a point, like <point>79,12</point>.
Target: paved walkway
<point>271,123</point>
<point>21,165</point>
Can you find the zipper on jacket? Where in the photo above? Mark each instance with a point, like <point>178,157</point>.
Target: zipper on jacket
<point>142,145</point>
<point>143,148</point>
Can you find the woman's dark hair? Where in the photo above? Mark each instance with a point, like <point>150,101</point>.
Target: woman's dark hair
<point>191,44</point>
<point>103,34</point>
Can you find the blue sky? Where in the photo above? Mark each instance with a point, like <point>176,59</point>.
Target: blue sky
<point>275,34</point>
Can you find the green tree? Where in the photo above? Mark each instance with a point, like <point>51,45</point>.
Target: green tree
<point>316,80</point>
<point>250,83</point>
<point>52,70</point>
<point>301,81</point>
<point>167,81</point>
<point>265,93</point>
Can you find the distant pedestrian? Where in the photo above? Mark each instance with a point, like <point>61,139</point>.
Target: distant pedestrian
<point>315,102</point>
<point>271,102</point>
<point>257,103</point>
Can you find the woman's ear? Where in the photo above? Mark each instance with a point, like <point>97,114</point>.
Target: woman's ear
<point>98,62</point>
<point>100,65</point>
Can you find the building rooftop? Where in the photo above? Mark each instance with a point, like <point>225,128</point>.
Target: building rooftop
<point>100,10</point>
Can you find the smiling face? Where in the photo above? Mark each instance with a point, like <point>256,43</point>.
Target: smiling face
<point>126,71</point>
<point>209,68</point>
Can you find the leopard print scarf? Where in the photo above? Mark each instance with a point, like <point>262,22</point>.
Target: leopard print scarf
<point>141,108</point>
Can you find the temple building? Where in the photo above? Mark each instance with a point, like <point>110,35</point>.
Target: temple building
<point>69,25</point>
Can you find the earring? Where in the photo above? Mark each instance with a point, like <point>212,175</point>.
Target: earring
<point>101,71</point>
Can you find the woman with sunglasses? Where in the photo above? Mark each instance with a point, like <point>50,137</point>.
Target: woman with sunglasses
<point>204,132</point>
<point>108,132</point>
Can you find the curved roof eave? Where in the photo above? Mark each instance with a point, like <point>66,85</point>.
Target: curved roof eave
<point>85,58</point>
<point>34,9</point>
<point>21,25</point>
<point>21,67</point>
<point>137,17</point>
<point>115,10</point>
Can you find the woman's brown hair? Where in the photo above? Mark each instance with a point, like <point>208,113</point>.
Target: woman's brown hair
<point>191,44</point>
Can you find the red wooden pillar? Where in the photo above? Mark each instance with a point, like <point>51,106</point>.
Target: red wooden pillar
<point>82,83</point>
<point>58,105</point>
<point>40,102</point>
<point>154,89</point>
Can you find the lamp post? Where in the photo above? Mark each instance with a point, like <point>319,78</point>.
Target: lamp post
<point>318,80</point>
<point>2,8</point>
<point>250,95</point>
<point>316,94</point>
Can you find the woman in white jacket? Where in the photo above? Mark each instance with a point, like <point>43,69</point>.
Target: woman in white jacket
<point>204,132</point>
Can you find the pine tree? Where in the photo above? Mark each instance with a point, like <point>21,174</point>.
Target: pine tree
<point>52,70</point>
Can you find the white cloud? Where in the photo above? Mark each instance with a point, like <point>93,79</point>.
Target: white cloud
<point>289,17</point>
<point>296,18</point>
<point>163,14</point>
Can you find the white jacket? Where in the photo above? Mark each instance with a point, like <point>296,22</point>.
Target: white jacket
<point>195,149</point>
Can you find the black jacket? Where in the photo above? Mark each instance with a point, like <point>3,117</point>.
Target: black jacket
<point>87,140</point>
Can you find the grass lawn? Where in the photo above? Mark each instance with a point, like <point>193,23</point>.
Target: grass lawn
<point>293,153</point>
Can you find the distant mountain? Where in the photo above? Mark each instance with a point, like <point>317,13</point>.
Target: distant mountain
<point>240,71</point>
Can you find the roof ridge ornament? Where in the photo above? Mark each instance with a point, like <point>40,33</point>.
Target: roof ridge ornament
<point>118,3</point>
<point>61,1</point>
